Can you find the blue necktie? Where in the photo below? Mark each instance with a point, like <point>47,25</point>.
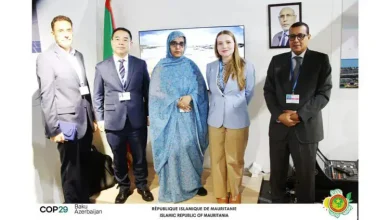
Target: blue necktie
<point>283,39</point>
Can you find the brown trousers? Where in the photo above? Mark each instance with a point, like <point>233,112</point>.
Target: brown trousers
<point>227,148</point>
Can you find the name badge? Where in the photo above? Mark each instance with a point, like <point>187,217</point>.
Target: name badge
<point>124,96</point>
<point>292,98</point>
<point>84,90</point>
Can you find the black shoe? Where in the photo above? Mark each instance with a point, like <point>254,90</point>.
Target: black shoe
<point>146,194</point>
<point>202,191</point>
<point>124,193</point>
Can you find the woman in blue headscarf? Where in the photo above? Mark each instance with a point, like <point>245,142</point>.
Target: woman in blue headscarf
<point>178,109</point>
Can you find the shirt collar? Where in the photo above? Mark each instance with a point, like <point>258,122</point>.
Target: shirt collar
<point>71,52</point>
<point>116,58</point>
<point>300,55</point>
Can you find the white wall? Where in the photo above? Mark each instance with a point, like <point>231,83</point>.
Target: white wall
<point>324,19</point>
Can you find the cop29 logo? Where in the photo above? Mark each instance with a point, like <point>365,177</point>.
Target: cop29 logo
<point>53,209</point>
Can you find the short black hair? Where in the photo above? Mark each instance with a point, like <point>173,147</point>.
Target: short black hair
<point>121,29</point>
<point>298,24</point>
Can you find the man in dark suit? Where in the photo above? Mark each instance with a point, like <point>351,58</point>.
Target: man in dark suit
<point>65,99</point>
<point>120,99</point>
<point>297,88</point>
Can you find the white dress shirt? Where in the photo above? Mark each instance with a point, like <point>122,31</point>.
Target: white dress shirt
<point>71,56</point>
<point>125,65</point>
<point>294,62</point>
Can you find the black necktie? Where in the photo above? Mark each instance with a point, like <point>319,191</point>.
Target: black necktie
<point>298,61</point>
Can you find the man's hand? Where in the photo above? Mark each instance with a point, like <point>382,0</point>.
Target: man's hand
<point>95,126</point>
<point>294,116</point>
<point>148,122</point>
<point>286,119</point>
<point>59,138</point>
<point>101,125</point>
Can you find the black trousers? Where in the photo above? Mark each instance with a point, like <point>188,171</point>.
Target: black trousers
<point>304,159</point>
<point>74,156</point>
<point>137,139</point>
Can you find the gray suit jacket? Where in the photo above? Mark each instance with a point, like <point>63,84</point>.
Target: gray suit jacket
<point>276,39</point>
<point>229,108</point>
<point>61,99</point>
<point>107,86</point>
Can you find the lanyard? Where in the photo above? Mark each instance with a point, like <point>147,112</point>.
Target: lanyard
<point>292,75</point>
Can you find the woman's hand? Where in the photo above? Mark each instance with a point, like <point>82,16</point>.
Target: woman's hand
<point>185,103</point>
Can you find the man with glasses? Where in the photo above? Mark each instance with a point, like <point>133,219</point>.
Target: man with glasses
<point>121,92</point>
<point>297,88</point>
<point>286,18</point>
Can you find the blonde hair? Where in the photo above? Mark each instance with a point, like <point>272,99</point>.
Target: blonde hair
<point>236,65</point>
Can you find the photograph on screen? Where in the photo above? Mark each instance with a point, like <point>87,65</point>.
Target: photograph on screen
<point>200,44</point>
<point>349,64</point>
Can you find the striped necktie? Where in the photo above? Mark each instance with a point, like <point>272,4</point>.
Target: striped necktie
<point>122,71</point>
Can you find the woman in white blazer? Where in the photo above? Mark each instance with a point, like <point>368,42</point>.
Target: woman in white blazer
<point>231,82</point>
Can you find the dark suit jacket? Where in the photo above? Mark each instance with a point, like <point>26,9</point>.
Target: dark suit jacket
<point>314,88</point>
<point>107,86</point>
<point>61,99</point>
<point>276,39</point>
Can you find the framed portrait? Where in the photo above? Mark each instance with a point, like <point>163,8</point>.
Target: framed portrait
<point>280,19</point>
<point>200,44</point>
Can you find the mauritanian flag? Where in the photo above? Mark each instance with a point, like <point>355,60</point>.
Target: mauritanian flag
<point>109,26</point>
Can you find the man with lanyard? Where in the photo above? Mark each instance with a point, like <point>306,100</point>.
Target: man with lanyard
<point>121,91</point>
<point>297,88</point>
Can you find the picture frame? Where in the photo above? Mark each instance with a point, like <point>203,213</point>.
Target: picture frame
<point>280,19</point>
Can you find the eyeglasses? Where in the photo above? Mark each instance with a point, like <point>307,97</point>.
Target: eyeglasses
<point>175,44</point>
<point>299,36</point>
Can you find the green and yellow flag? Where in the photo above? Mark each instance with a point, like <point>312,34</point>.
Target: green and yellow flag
<point>109,26</point>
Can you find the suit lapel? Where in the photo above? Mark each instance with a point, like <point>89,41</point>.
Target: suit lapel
<point>81,63</point>
<point>229,85</point>
<point>114,72</point>
<point>61,54</point>
<point>305,69</point>
<point>284,76</point>
<point>130,70</point>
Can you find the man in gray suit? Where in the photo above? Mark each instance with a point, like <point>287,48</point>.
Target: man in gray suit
<point>121,92</point>
<point>67,109</point>
<point>286,18</point>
